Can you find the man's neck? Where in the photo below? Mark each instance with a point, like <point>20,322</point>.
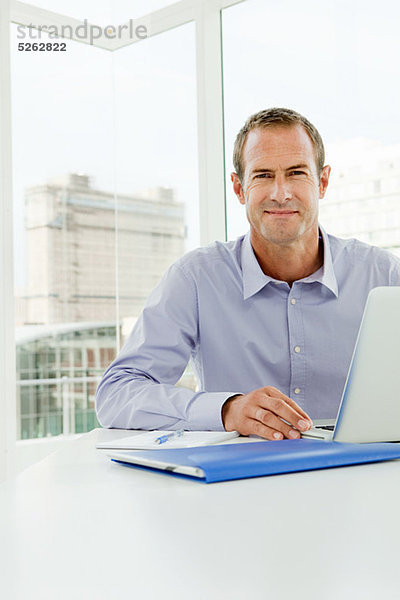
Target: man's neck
<point>292,261</point>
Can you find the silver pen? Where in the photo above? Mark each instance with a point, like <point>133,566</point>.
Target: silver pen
<point>169,436</point>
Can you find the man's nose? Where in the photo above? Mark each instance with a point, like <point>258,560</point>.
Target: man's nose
<point>281,190</point>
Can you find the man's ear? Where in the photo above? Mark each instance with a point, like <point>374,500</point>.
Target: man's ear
<point>324,180</point>
<point>237,188</point>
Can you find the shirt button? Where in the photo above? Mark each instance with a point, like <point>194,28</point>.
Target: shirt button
<point>297,349</point>
<point>293,301</point>
<point>297,390</point>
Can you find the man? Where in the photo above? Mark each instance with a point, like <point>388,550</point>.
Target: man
<point>270,316</point>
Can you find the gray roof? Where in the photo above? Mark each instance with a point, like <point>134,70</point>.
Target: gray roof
<point>31,333</point>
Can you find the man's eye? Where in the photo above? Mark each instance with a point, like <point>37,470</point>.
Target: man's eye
<point>262,175</point>
<point>297,173</point>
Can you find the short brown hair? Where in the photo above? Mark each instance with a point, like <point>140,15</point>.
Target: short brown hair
<point>277,117</point>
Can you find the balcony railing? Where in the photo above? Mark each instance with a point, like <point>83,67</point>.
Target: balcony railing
<point>66,409</point>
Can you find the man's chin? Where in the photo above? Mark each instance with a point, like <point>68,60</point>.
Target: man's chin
<point>280,238</point>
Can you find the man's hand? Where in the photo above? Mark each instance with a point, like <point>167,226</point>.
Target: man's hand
<point>261,412</point>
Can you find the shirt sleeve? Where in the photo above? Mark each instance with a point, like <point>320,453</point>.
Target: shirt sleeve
<point>394,271</point>
<point>138,390</point>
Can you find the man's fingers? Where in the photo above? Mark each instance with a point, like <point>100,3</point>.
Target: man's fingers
<point>274,392</point>
<point>275,423</point>
<point>258,428</point>
<point>284,410</point>
<point>297,408</point>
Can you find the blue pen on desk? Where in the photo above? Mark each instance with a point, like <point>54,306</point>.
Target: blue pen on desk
<point>169,436</point>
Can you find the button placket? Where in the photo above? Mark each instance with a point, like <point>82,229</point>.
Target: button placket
<point>296,342</point>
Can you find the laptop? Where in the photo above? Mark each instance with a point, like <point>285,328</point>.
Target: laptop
<point>370,407</point>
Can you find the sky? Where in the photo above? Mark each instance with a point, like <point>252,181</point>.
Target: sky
<point>333,61</point>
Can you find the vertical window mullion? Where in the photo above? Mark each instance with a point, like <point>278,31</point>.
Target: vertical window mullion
<point>210,124</point>
<point>7,335</point>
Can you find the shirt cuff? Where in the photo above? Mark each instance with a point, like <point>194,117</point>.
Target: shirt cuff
<point>205,410</point>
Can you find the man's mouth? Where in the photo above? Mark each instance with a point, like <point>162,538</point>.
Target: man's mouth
<point>282,213</point>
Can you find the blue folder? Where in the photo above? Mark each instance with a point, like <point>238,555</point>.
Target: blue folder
<point>238,461</point>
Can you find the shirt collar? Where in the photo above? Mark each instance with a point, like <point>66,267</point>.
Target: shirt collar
<point>254,279</point>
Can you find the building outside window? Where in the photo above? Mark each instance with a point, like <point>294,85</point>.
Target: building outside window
<point>63,353</point>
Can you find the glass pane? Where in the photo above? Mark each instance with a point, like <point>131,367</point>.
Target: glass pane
<point>102,12</point>
<point>64,202</point>
<point>156,161</point>
<point>76,202</point>
<point>336,64</point>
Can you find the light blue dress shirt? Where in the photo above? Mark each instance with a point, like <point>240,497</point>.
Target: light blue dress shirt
<point>242,330</point>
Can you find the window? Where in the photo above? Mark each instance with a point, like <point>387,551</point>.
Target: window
<point>332,62</point>
<point>106,197</point>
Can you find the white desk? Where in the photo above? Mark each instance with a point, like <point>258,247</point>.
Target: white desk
<point>78,526</point>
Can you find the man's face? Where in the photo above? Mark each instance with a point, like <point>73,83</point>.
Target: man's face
<point>280,187</point>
